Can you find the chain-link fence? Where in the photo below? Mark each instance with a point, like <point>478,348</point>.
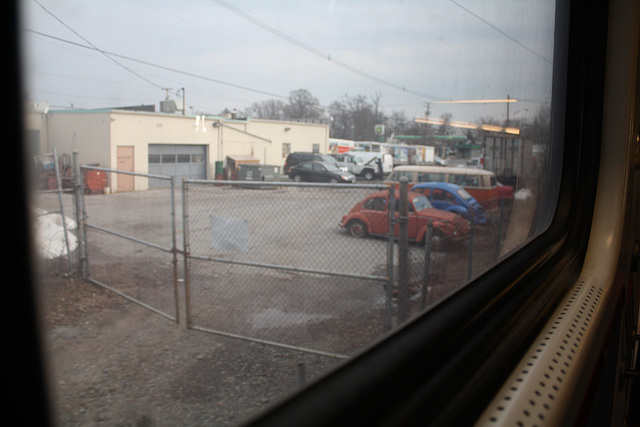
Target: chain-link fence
<point>55,230</point>
<point>54,222</point>
<point>271,263</point>
<point>310,267</point>
<point>131,240</point>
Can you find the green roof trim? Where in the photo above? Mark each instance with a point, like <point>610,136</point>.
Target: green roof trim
<point>438,137</point>
<point>450,137</point>
<point>467,146</point>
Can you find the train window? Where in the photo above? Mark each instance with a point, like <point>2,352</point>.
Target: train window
<point>416,80</point>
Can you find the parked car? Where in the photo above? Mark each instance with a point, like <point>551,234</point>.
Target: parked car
<point>298,157</point>
<point>370,217</point>
<point>475,162</point>
<point>481,184</point>
<point>367,165</point>
<point>505,192</point>
<point>320,172</point>
<point>452,198</point>
<point>439,161</point>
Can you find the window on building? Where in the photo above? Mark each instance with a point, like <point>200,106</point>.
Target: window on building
<point>168,158</point>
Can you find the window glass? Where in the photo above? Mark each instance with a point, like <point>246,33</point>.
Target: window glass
<point>430,177</point>
<point>421,203</point>
<point>414,80</point>
<point>464,180</point>
<point>327,159</point>
<point>376,204</point>
<point>286,149</point>
<point>448,197</point>
<point>396,176</point>
<point>463,193</point>
<point>168,158</point>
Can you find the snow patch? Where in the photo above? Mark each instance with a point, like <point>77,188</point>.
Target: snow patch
<point>49,234</point>
<point>523,194</point>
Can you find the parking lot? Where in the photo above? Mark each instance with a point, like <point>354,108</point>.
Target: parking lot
<point>279,269</point>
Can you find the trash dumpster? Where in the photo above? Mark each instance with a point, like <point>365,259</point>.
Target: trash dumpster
<point>219,171</point>
<point>251,172</point>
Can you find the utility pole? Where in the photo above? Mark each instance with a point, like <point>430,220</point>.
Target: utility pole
<point>183,101</point>
<point>427,132</point>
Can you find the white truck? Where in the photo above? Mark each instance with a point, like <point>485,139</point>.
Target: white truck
<point>366,164</point>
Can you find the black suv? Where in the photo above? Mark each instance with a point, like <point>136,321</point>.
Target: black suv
<point>301,157</point>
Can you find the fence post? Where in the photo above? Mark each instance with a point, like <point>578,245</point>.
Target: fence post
<point>185,249</point>
<point>174,248</point>
<point>470,261</point>
<point>390,256</point>
<point>78,189</point>
<point>301,375</point>
<point>403,252</point>
<point>64,218</point>
<point>427,265</point>
<point>499,239</point>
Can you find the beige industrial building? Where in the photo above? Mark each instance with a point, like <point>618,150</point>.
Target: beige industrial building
<point>169,144</point>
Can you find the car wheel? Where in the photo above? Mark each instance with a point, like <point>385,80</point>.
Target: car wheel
<point>297,178</point>
<point>357,228</point>
<point>333,181</point>
<point>368,175</point>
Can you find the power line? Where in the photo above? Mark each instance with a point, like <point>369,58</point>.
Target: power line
<point>95,47</point>
<point>162,67</point>
<point>501,32</point>
<point>311,49</point>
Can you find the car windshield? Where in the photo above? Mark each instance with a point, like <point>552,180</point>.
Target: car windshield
<point>331,167</point>
<point>464,194</point>
<point>421,203</point>
<point>328,159</point>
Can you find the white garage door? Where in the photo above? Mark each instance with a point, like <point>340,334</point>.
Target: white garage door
<point>181,161</point>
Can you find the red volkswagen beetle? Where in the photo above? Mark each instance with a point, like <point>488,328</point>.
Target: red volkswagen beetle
<point>370,217</point>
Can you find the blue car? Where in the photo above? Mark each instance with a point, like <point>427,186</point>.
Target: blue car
<point>452,198</point>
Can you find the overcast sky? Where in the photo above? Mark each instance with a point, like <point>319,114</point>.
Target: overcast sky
<point>231,53</point>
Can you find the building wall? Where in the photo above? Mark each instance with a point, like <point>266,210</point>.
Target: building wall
<point>264,139</point>
<point>97,134</point>
<point>88,133</point>
<point>138,130</point>
<point>37,121</point>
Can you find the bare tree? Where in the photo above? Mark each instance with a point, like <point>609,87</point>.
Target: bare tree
<point>271,109</point>
<point>340,120</point>
<point>302,106</point>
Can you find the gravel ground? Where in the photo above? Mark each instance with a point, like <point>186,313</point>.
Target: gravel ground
<point>116,363</point>
<point>112,362</point>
